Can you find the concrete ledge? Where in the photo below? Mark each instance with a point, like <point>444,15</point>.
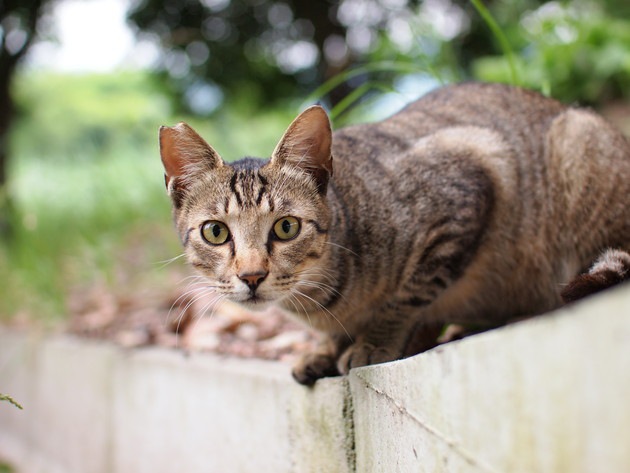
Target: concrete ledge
<point>546,395</point>
<point>551,394</point>
<point>96,408</point>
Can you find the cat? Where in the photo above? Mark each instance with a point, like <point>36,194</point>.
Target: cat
<point>475,205</point>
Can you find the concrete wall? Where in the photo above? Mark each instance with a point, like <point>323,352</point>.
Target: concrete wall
<point>547,395</point>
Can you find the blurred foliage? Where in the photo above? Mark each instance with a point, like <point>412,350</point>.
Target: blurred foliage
<point>276,48</point>
<point>216,46</point>
<point>576,49</point>
<point>577,52</point>
<point>74,116</point>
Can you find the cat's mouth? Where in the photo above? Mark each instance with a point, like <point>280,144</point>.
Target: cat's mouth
<point>254,296</point>
<point>254,300</point>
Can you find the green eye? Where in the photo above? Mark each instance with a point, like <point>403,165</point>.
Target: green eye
<point>286,228</point>
<point>215,233</point>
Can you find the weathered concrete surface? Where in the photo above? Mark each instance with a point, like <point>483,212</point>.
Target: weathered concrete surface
<point>546,395</point>
<point>551,394</point>
<point>65,389</point>
<point>94,408</point>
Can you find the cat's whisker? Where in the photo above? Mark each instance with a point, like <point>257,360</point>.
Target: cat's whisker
<point>213,302</point>
<point>197,277</point>
<point>318,271</point>
<point>195,291</point>
<point>162,264</point>
<point>191,288</point>
<point>293,297</point>
<point>331,280</point>
<point>197,296</point>
<point>324,287</point>
<point>342,247</point>
<point>211,305</point>
<point>323,308</point>
<point>183,311</point>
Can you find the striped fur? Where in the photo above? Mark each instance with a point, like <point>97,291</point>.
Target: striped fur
<point>474,205</point>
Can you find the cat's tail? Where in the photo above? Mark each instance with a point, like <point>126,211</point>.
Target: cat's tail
<point>610,269</point>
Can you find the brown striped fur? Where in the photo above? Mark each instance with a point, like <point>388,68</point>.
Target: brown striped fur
<point>475,205</point>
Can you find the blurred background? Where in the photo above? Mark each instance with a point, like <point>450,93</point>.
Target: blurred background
<point>84,85</point>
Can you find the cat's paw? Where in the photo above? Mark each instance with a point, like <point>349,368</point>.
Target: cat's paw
<point>313,366</point>
<point>612,268</point>
<point>363,354</point>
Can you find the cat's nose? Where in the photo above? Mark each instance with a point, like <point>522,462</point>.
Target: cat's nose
<point>253,280</point>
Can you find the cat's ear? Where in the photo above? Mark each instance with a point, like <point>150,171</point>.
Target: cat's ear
<point>185,155</point>
<point>307,144</point>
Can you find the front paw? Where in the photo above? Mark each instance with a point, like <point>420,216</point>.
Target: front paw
<point>313,366</point>
<point>363,354</point>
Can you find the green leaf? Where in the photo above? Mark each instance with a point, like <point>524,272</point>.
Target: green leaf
<point>501,38</point>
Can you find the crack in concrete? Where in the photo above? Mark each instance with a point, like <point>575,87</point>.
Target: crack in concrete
<point>348,414</point>
<point>452,444</point>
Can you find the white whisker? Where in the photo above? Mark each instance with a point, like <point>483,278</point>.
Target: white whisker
<point>164,263</point>
<point>324,309</point>
<point>318,272</point>
<point>196,296</point>
<point>324,287</point>
<point>212,303</point>
<point>343,248</point>
<point>308,317</point>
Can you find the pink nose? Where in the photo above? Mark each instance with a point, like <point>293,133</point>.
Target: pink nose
<point>253,280</point>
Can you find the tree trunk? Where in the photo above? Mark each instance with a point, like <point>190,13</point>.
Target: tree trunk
<point>20,16</point>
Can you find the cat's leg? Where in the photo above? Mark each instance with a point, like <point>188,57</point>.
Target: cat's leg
<point>321,362</point>
<point>394,333</point>
<point>610,269</point>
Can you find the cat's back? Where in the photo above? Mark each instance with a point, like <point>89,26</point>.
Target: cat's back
<point>542,187</point>
<point>519,115</point>
<point>497,106</point>
<point>452,132</point>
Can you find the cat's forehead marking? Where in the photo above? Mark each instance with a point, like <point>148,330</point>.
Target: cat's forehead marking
<point>248,187</point>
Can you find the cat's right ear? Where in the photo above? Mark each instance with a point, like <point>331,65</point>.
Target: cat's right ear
<point>185,155</point>
<point>307,145</point>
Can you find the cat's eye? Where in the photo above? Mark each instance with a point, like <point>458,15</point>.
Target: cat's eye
<point>215,233</point>
<point>286,228</point>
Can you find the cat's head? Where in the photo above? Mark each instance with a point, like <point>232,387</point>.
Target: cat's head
<point>257,229</point>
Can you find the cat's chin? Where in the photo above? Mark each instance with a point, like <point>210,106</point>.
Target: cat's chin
<point>255,302</point>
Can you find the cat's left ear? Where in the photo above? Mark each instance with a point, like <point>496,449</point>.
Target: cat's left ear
<point>307,144</point>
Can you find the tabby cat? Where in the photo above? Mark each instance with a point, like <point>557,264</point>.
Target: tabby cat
<point>477,204</point>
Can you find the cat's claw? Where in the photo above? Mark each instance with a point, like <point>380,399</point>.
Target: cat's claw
<point>313,366</point>
<point>363,354</point>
